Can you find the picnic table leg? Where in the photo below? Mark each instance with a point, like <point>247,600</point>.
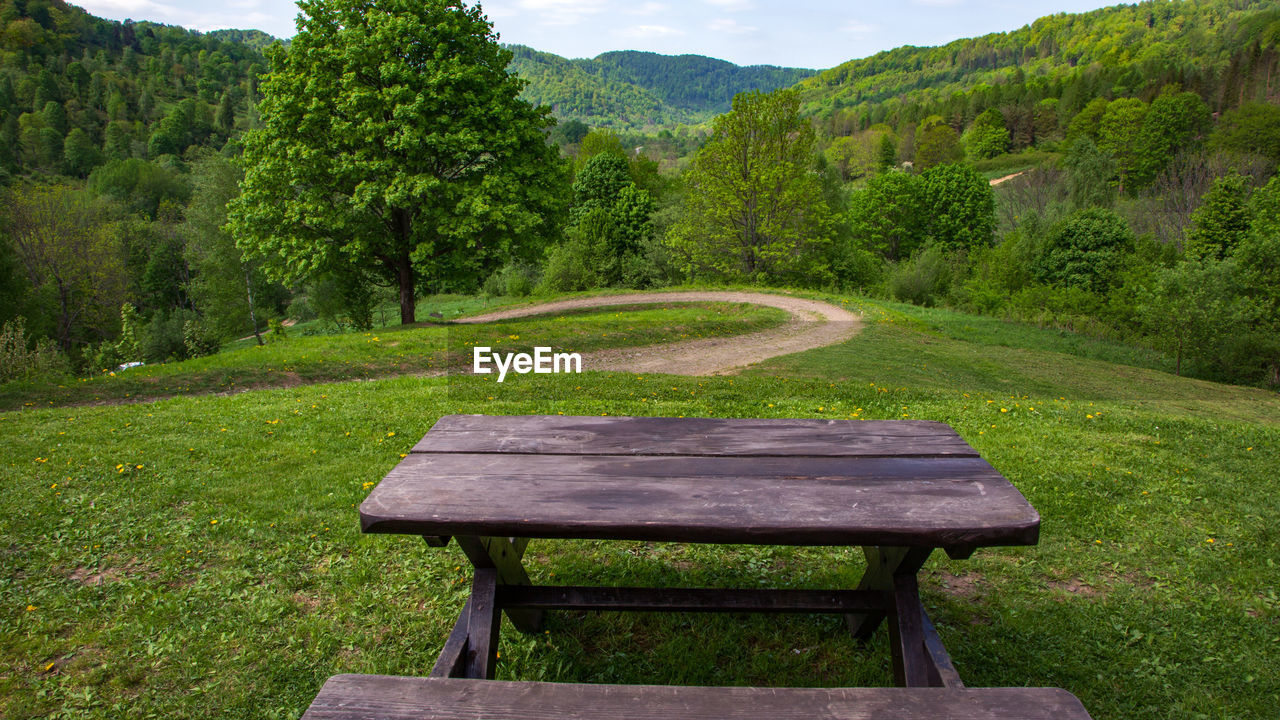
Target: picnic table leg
<point>503,555</point>
<point>484,620</point>
<point>883,563</point>
<point>452,662</point>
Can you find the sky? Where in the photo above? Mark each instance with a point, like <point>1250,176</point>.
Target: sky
<point>801,33</point>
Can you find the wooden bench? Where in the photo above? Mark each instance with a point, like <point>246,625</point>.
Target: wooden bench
<point>381,697</point>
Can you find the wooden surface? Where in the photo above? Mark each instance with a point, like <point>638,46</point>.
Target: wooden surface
<point>348,697</point>
<point>791,482</point>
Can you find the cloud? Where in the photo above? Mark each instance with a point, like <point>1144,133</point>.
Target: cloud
<point>561,12</point>
<point>732,5</point>
<point>650,31</point>
<point>731,27</point>
<point>649,8</point>
<point>858,29</point>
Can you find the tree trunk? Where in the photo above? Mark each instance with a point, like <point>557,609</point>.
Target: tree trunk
<point>1274,373</point>
<point>253,317</point>
<point>404,276</point>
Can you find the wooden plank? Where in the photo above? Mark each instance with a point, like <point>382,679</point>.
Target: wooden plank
<point>919,502</point>
<point>503,555</point>
<point>484,622</point>
<point>352,697</point>
<point>882,564</point>
<point>453,656</point>
<point>689,599</point>
<point>569,435</point>
<point>942,672</point>
<point>906,634</point>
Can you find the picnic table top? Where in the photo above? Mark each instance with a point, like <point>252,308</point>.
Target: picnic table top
<point>910,483</point>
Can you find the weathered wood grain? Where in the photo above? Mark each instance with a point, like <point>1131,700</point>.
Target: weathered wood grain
<point>361,697</point>
<point>570,435</point>
<point>910,501</point>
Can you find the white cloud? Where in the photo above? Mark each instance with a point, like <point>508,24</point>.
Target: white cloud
<point>650,31</point>
<point>732,5</point>
<point>649,8</point>
<point>731,27</point>
<point>561,12</point>
<point>858,29</point>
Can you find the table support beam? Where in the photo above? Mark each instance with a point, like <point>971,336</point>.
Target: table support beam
<point>906,634</point>
<point>883,563</point>
<point>503,555</point>
<point>484,620</point>
<point>452,662</point>
<point>942,673</point>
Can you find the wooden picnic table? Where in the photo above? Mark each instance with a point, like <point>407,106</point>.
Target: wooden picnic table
<point>898,489</point>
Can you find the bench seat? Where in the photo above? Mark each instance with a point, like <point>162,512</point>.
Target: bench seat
<point>383,697</point>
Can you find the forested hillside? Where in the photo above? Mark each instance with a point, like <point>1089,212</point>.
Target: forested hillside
<point>632,90</point>
<point>1043,74</point>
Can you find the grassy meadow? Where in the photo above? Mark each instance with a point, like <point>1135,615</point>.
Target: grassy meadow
<point>199,555</point>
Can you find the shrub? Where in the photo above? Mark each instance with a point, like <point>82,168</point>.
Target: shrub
<point>200,339</point>
<point>1085,250</point>
<point>21,359</point>
<point>922,280</point>
<point>511,280</point>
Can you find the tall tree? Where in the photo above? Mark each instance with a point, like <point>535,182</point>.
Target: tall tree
<point>753,206</point>
<point>394,142</point>
<point>1120,135</point>
<point>1222,220</point>
<point>70,257</point>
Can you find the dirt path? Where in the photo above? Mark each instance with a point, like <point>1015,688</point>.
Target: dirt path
<point>813,324</point>
<point>999,180</point>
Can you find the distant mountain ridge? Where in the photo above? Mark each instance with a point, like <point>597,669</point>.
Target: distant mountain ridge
<point>631,89</point>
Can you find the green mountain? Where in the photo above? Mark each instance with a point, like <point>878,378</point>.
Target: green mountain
<point>631,89</point>
<point>1223,50</point>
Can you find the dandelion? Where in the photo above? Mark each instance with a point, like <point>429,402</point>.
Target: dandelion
<point>1004,409</point>
<point>48,667</point>
<point>213,522</point>
<point>391,434</point>
<point>30,608</point>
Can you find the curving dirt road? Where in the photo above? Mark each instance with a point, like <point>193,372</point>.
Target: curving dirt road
<point>813,324</point>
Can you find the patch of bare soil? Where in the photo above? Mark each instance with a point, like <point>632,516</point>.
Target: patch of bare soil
<point>813,324</point>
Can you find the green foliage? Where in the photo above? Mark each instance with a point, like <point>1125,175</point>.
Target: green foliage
<point>987,137</point>
<point>1258,261</point>
<point>232,293</point>
<point>1085,250</point>
<point>1222,220</point>
<point>138,185</point>
<point>1120,136</point>
<point>923,279</point>
<point>199,339</point>
<point>959,207</point>
<point>26,358</point>
<point>1253,128</point>
<point>888,215</point>
<point>511,280</point>
<point>569,132</point>
<point>435,168</point>
<point>630,89</point>
<point>277,329</point>
<point>936,144</point>
<point>1174,121</point>
<point>753,208</point>
<point>343,300</point>
<point>165,336</point>
<point>1195,308</point>
<point>1088,175</point>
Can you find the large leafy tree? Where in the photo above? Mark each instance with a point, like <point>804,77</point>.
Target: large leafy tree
<point>395,143</point>
<point>754,208</point>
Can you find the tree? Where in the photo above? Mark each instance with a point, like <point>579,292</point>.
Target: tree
<point>1089,171</point>
<point>889,216</point>
<point>1120,135</point>
<point>1085,250</point>
<point>1173,121</point>
<point>987,137</point>
<point>1250,128</point>
<point>1258,260</point>
<point>395,143</point>
<point>936,144</point>
<point>79,155</point>
<point>1222,220</point>
<point>959,207</point>
<point>228,290</point>
<point>69,255</point>
<point>753,207</point>
<point>1195,308</point>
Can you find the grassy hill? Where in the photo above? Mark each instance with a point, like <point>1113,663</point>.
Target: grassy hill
<point>201,555</point>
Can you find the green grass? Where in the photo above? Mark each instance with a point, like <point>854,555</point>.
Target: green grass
<point>147,607</point>
<point>304,359</point>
